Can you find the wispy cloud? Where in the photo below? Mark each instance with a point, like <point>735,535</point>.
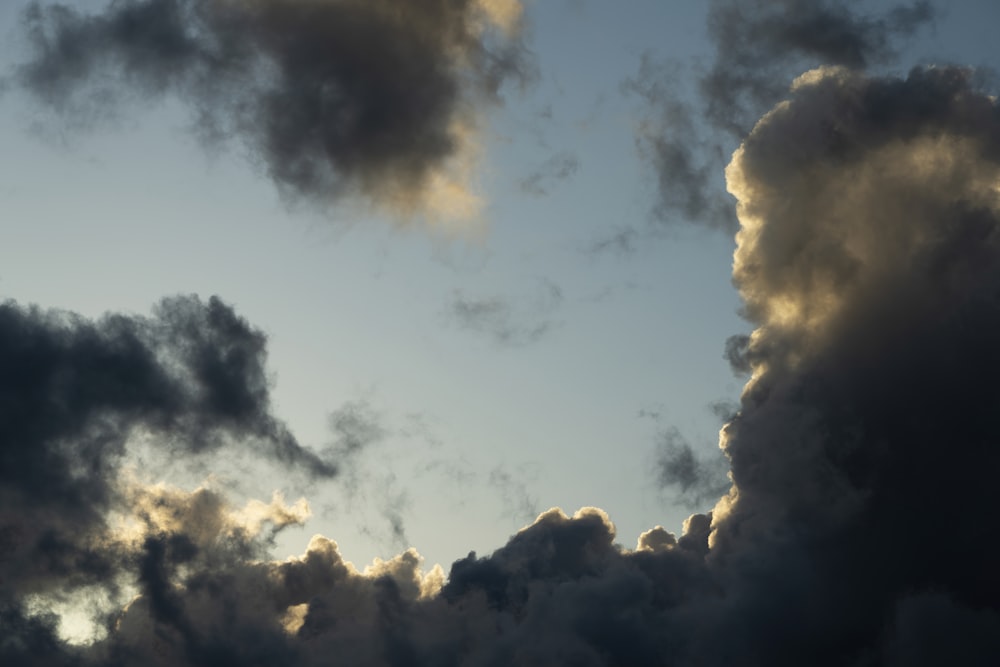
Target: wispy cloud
<point>691,122</point>
<point>504,321</point>
<point>559,167</point>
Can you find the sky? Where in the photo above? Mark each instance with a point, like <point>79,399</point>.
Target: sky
<point>498,332</point>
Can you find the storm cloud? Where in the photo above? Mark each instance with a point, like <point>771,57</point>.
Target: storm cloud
<point>346,98</point>
<point>76,393</point>
<point>862,454</point>
<point>857,528</point>
<point>689,131</point>
<point>559,167</point>
<point>867,258</point>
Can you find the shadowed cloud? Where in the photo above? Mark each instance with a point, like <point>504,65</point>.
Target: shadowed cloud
<point>332,98</point>
<point>688,132</point>
<point>857,529</point>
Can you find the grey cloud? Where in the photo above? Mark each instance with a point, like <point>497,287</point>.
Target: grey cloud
<point>867,260</point>
<point>670,140</point>
<point>361,441</point>
<point>374,98</point>
<point>724,410</point>
<point>737,350</point>
<point>863,455</point>
<point>187,577</point>
<point>760,45</point>
<point>696,479</point>
<point>356,425</point>
<point>496,608</point>
<point>73,393</point>
<point>559,167</point>
<point>502,320</point>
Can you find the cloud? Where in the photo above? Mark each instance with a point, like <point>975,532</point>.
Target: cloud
<point>75,395</point>
<point>498,319</point>
<point>857,529</point>
<point>862,454</point>
<point>867,259</point>
<point>377,99</point>
<point>697,480</point>
<point>559,167</point>
<point>760,45</point>
<point>669,140</point>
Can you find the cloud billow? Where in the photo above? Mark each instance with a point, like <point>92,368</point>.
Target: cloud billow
<point>75,392</point>
<point>862,453</point>
<point>688,132</point>
<point>372,98</point>
<point>857,530</point>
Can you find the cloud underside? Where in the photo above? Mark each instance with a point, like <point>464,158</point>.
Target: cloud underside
<point>378,101</point>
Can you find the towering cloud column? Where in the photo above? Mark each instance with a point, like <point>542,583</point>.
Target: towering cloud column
<point>865,452</point>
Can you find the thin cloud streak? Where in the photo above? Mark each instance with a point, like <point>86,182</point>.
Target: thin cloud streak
<point>505,322</point>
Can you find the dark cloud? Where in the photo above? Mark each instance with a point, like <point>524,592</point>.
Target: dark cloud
<point>858,529</point>
<point>736,352</point>
<point>375,98</point>
<point>685,164</point>
<point>367,480</point>
<point>867,259</point>
<point>559,167</point>
<point>760,45</point>
<point>862,455</point>
<point>504,322</point>
<point>74,393</point>
<point>697,479</point>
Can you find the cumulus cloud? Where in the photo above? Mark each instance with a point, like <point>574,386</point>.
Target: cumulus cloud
<point>862,454</point>
<point>75,393</point>
<point>669,139</point>
<point>687,132</point>
<point>761,43</point>
<point>513,488</point>
<point>857,529</point>
<point>867,258</point>
<point>622,242</point>
<point>696,479</point>
<point>378,99</point>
